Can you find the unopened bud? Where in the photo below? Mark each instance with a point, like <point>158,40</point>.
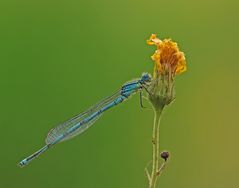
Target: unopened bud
<point>165,155</point>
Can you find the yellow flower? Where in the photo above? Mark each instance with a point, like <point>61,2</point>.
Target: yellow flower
<point>168,59</point>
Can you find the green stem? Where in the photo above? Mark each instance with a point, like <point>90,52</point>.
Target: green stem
<point>155,142</point>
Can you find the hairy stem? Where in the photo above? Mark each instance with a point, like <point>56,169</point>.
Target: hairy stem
<point>155,143</point>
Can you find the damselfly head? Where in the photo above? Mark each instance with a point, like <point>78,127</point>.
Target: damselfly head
<point>145,78</point>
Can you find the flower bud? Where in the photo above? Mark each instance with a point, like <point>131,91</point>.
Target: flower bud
<point>164,155</point>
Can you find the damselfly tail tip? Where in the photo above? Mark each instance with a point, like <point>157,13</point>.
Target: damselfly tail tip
<point>22,163</point>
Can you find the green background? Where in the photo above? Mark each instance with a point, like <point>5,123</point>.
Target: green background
<point>57,58</point>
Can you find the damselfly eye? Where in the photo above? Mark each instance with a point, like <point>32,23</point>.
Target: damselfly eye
<point>146,77</point>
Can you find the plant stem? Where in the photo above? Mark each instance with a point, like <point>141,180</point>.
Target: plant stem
<point>155,143</point>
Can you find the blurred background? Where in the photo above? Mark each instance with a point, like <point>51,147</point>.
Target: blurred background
<point>57,58</point>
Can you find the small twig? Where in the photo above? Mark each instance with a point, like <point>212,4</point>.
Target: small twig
<point>147,174</point>
<point>159,172</point>
<point>147,171</point>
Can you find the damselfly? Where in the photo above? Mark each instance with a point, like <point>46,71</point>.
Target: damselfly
<point>81,122</point>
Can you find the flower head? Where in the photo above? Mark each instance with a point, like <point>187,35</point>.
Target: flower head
<point>168,62</point>
<point>167,58</point>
